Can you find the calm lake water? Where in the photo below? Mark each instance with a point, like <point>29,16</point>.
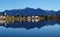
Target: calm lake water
<point>45,29</point>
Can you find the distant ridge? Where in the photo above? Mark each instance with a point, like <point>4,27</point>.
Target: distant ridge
<point>30,11</point>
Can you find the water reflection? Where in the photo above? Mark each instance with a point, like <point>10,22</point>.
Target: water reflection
<point>29,29</point>
<point>27,25</point>
<point>46,31</point>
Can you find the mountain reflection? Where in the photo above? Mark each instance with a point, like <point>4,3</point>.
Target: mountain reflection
<point>27,25</point>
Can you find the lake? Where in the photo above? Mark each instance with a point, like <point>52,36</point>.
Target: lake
<point>30,29</point>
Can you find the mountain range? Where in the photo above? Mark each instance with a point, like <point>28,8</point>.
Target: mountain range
<point>30,11</point>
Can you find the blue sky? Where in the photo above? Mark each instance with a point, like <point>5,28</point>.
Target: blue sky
<point>20,4</point>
